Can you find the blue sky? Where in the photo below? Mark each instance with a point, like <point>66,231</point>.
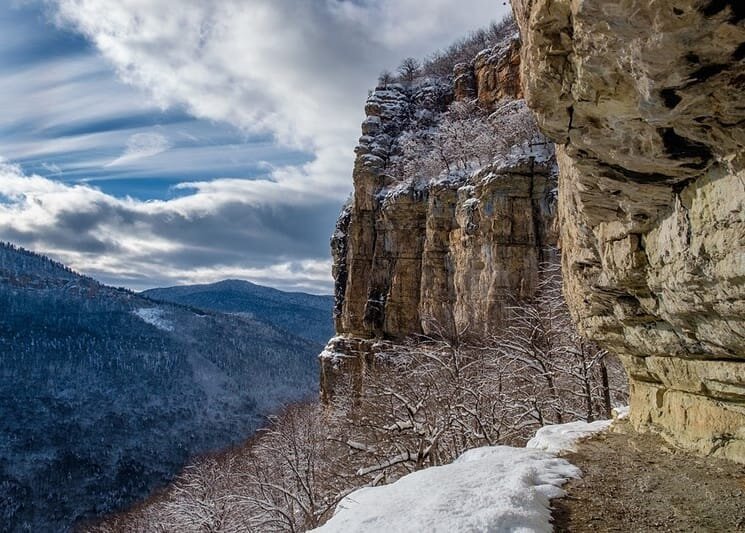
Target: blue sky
<point>149,146</point>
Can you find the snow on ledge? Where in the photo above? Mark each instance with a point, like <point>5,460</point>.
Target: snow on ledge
<point>496,489</point>
<point>563,437</point>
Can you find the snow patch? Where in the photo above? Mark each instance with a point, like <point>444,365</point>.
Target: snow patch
<point>487,489</point>
<point>154,317</point>
<point>471,203</point>
<point>620,413</point>
<point>564,437</point>
<point>331,353</point>
<point>497,488</point>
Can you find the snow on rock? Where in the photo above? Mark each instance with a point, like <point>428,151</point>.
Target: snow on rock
<point>154,317</point>
<point>332,351</point>
<point>490,489</point>
<point>563,437</point>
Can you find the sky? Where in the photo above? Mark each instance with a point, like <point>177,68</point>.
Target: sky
<point>153,143</point>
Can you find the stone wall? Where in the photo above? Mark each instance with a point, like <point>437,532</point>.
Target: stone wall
<point>645,102</point>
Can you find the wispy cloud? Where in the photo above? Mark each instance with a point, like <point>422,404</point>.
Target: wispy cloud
<point>140,146</point>
<point>248,110</point>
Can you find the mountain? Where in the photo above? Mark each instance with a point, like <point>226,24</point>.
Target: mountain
<point>105,393</point>
<point>305,315</point>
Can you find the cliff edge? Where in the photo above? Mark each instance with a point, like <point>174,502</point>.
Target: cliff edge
<point>644,101</point>
<point>441,243</point>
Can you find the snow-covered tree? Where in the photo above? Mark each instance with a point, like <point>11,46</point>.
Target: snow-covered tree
<point>295,475</point>
<point>385,78</point>
<point>465,139</point>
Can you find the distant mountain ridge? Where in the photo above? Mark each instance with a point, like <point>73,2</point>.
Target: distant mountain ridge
<point>105,393</point>
<point>305,315</point>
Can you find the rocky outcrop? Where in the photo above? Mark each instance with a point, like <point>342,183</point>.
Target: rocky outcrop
<point>645,102</point>
<point>492,76</point>
<point>419,256</point>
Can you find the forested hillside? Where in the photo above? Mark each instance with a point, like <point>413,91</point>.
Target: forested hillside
<point>305,315</point>
<point>104,393</point>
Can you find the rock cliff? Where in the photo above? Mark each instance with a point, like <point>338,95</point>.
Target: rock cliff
<point>449,251</point>
<point>645,103</point>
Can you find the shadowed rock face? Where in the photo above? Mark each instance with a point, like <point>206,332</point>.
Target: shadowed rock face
<point>645,101</point>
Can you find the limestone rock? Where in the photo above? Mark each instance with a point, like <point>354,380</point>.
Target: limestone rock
<point>492,76</point>
<point>497,73</point>
<point>645,100</point>
<point>448,252</point>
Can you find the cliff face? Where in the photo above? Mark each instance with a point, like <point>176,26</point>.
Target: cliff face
<point>644,100</point>
<point>416,256</point>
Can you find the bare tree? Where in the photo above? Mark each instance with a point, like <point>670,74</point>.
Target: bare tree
<point>295,475</point>
<point>385,78</point>
<point>409,69</point>
<point>465,139</point>
<point>205,497</point>
<point>465,49</point>
<point>574,373</point>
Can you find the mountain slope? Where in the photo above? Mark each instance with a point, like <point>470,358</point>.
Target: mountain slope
<point>305,315</point>
<point>105,393</point>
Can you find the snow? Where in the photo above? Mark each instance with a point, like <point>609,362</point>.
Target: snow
<point>471,203</point>
<point>620,413</point>
<point>495,489</point>
<point>333,355</point>
<point>487,489</point>
<point>564,437</point>
<point>154,317</point>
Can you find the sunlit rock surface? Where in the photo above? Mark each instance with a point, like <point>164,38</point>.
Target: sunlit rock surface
<point>645,102</point>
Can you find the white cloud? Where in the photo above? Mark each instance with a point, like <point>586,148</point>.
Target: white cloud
<point>297,69</point>
<point>216,231</point>
<point>140,146</point>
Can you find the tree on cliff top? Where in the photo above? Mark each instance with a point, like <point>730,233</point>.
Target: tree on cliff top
<point>464,140</point>
<point>409,69</point>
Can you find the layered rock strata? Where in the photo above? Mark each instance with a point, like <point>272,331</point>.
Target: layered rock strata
<point>443,254</point>
<point>645,103</point>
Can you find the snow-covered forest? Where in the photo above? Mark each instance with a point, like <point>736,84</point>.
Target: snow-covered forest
<point>106,394</point>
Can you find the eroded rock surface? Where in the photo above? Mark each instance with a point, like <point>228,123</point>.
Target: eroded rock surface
<point>492,76</point>
<point>645,101</point>
<point>416,256</point>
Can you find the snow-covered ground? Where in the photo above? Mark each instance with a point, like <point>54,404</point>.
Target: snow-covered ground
<point>563,437</point>
<point>154,317</point>
<point>491,489</point>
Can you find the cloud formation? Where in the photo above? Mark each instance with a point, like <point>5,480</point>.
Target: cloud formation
<point>140,146</point>
<point>297,69</point>
<point>212,232</point>
<point>292,72</point>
